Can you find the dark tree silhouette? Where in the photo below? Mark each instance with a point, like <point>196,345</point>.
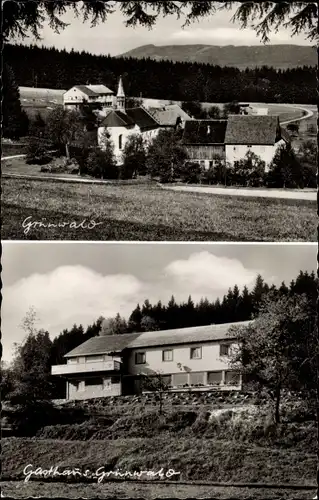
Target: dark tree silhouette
<point>20,18</point>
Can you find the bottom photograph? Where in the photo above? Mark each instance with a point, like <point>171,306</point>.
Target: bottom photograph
<point>159,370</point>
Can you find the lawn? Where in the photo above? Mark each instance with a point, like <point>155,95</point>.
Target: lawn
<point>149,213</point>
<point>203,460</point>
<point>20,489</point>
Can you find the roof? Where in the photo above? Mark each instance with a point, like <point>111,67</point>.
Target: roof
<point>192,334</point>
<point>141,117</point>
<point>132,116</point>
<point>167,115</point>
<point>86,90</point>
<point>117,343</point>
<point>204,132</point>
<point>120,90</point>
<point>103,345</point>
<point>100,89</point>
<point>116,118</point>
<point>252,129</point>
<point>94,90</point>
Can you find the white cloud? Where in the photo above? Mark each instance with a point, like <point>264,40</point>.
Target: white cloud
<point>205,273</point>
<point>67,295</point>
<point>77,294</point>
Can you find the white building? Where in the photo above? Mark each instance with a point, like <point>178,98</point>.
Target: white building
<point>195,358</point>
<point>88,94</point>
<point>261,135</point>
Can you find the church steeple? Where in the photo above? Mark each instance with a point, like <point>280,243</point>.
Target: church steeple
<point>120,96</point>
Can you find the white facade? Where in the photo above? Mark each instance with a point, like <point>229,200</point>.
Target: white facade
<point>237,152</point>
<point>199,365</point>
<point>120,135</point>
<point>75,97</point>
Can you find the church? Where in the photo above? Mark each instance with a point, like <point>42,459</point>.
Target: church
<point>121,122</point>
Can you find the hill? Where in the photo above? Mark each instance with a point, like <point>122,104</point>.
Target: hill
<point>277,56</point>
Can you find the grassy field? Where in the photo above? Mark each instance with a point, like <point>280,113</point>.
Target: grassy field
<point>147,212</point>
<point>126,490</point>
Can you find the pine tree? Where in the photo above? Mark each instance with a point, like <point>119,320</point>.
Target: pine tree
<point>14,119</point>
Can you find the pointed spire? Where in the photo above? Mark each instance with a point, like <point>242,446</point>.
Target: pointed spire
<point>120,90</point>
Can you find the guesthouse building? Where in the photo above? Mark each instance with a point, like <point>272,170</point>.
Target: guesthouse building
<point>195,358</point>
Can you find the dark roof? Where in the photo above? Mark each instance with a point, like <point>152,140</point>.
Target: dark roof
<point>204,132</point>
<point>132,116</point>
<point>251,129</point>
<point>116,118</point>
<point>106,344</point>
<point>86,90</point>
<point>116,343</point>
<point>141,117</point>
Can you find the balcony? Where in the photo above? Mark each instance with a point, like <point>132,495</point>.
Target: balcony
<point>89,367</point>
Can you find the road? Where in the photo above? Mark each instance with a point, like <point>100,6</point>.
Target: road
<point>309,195</point>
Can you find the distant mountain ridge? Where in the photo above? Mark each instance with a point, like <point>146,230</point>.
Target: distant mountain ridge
<point>277,56</point>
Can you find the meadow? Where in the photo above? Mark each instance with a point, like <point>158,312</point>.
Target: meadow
<point>148,213</point>
<point>213,456</point>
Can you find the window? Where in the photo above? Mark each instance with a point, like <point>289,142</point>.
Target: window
<point>214,378</point>
<point>196,378</point>
<point>120,141</point>
<point>196,353</point>
<point>167,355</point>
<point>234,148</point>
<point>115,379</point>
<point>88,359</point>
<point>93,381</point>
<point>232,378</point>
<point>73,360</point>
<point>224,349</point>
<point>140,358</point>
<point>180,379</point>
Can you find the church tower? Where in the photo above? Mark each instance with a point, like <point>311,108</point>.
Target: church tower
<point>120,97</point>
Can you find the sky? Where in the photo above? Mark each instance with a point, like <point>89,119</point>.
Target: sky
<point>114,38</point>
<point>71,283</point>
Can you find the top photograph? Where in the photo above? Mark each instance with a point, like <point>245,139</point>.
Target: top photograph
<point>159,121</point>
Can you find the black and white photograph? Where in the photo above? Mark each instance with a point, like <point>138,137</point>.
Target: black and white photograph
<point>159,166</point>
<point>159,121</point>
<point>159,370</point>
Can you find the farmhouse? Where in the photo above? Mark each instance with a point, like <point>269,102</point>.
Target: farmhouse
<point>89,95</point>
<point>205,141</point>
<point>261,135</point>
<point>195,358</point>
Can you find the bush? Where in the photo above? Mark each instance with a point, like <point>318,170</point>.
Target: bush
<point>134,157</point>
<point>249,172</point>
<point>38,152</point>
<point>191,173</point>
<point>101,164</point>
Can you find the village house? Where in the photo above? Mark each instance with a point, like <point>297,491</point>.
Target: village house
<point>205,141</point>
<point>195,358</point>
<point>89,95</point>
<point>120,122</point>
<point>259,134</point>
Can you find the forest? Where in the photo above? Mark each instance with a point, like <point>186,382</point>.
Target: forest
<point>185,81</point>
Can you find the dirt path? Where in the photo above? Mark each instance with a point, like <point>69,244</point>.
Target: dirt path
<point>308,114</point>
<point>309,195</point>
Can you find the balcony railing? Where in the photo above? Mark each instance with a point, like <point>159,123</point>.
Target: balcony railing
<point>89,367</point>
